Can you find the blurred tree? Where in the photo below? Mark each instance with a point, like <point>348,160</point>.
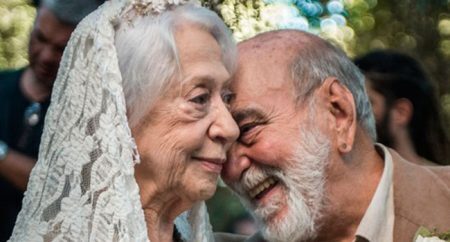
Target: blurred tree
<point>420,28</point>
<point>16,20</point>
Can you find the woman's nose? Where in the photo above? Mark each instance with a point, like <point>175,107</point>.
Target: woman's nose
<point>224,128</point>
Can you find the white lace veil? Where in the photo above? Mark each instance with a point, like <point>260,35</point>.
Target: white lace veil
<point>83,187</point>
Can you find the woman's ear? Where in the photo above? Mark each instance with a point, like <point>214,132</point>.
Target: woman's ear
<point>341,105</point>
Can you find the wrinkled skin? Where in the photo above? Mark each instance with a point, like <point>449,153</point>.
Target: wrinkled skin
<point>184,139</point>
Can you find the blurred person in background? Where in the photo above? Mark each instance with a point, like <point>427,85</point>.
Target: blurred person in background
<point>25,97</point>
<point>407,112</point>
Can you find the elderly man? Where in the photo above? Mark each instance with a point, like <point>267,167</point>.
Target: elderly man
<point>306,164</point>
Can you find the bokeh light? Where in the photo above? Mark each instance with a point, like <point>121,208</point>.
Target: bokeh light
<point>306,15</point>
<point>444,27</point>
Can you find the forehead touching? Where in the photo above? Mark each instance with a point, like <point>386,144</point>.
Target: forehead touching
<point>263,81</point>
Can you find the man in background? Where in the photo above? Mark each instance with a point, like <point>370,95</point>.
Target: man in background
<point>24,99</point>
<point>406,108</point>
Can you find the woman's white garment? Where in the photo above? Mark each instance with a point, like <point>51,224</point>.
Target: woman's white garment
<point>82,187</point>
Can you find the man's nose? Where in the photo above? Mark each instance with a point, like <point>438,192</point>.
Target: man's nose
<point>50,55</point>
<point>237,163</point>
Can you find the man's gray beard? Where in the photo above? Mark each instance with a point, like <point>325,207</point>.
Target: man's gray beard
<point>303,181</point>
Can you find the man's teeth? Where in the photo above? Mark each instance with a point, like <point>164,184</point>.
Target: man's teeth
<point>261,187</point>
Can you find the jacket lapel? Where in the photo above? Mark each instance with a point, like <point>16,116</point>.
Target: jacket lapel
<point>421,196</point>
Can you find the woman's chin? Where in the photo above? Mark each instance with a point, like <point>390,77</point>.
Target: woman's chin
<point>204,189</point>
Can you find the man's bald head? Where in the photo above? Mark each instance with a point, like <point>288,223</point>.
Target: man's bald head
<point>307,60</point>
<point>287,43</point>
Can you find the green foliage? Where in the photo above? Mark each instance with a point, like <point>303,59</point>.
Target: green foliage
<point>420,28</point>
<point>426,233</point>
<point>16,20</point>
<point>224,207</point>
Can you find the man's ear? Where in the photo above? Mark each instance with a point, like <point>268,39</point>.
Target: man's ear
<point>401,112</point>
<point>341,105</point>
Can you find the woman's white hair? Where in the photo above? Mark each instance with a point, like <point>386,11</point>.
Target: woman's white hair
<point>148,55</point>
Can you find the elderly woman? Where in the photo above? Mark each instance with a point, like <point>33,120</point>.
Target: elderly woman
<point>137,130</point>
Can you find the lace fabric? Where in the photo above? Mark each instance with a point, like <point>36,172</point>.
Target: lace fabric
<point>82,187</point>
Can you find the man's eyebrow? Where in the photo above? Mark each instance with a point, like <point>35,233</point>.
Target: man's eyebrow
<point>242,114</point>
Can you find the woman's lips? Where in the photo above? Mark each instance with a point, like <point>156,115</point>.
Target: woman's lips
<point>214,167</point>
<point>211,164</point>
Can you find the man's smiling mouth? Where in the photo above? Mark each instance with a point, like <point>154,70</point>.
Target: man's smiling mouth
<point>262,188</point>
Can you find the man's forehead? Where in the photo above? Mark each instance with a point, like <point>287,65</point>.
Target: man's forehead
<point>255,98</point>
<point>261,88</point>
<point>263,78</point>
<point>286,39</point>
<point>52,28</point>
<point>263,66</point>
<point>260,73</point>
<point>258,85</point>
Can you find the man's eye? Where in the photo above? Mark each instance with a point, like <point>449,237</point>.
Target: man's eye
<point>200,99</point>
<point>245,135</point>
<point>40,37</point>
<point>246,129</point>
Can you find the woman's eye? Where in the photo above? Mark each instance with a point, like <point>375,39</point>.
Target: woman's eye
<point>201,99</point>
<point>227,97</point>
